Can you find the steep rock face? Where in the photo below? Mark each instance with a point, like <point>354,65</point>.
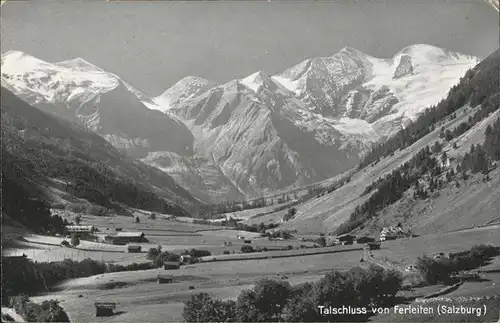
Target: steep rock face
<point>256,137</point>
<point>78,90</point>
<point>404,68</point>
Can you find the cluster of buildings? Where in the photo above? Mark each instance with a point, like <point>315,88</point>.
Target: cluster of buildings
<point>387,233</point>
<point>349,239</point>
<point>392,233</point>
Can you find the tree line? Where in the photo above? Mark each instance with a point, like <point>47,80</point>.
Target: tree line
<point>21,275</point>
<point>277,301</point>
<point>442,269</point>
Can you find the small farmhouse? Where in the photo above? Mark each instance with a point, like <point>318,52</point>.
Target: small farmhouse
<point>104,308</point>
<point>391,233</point>
<point>247,241</point>
<point>374,245</point>
<point>345,239</point>
<point>125,237</point>
<point>165,279</point>
<point>133,248</point>
<point>167,265</point>
<point>365,239</point>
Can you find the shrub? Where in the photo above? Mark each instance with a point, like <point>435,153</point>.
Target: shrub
<point>301,306</point>
<point>247,249</point>
<point>47,311</point>
<point>321,241</point>
<point>164,256</point>
<point>202,308</point>
<point>264,303</point>
<point>75,240</point>
<point>290,214</point>
<point>28,277</point>
<point>439,270</point>
<point>153,253</point>
<point>272,300</point>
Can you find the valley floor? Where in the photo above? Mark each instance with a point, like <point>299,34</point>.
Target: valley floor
<point>140,298</point>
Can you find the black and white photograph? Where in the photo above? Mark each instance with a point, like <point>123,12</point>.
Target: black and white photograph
<point>250,161</point>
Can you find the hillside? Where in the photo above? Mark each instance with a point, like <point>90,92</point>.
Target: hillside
<point>371,198</point>
<point>52,160</point>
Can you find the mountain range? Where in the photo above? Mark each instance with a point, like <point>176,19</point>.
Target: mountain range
<point>251,136</point>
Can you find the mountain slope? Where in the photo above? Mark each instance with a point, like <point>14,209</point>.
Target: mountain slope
<point>69,162</point>
<point>261,139</point>
<point>309,123</point>
<point>78,90</point>
<point>470,107</point>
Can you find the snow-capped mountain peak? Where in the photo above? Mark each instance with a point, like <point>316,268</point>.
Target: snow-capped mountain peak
<point>185,89</point>
<point>15,61</point>
<point>258,80</point>
<point>79,64</point>
<point>47,82</point>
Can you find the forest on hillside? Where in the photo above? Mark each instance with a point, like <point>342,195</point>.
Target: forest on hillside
<point>479,86</point>
<point>38,147</point>
<point>425,172</point>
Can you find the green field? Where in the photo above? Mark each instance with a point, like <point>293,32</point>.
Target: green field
<point>140,298</point>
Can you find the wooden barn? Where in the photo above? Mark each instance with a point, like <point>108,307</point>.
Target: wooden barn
<point>165,279</point>
<point>374,245</point>
<point>365,239</point>
<point>125,237</point>
<point>345,239</point>
<point>171,265</point>
<point>247,241</point>
<point>133,248</point>
<point>104,308</point>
